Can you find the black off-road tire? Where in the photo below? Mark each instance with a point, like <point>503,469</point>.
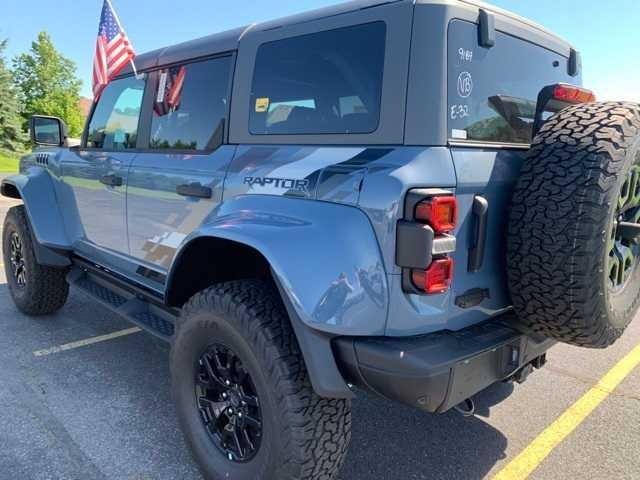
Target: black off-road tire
<point>563,216</point>
<point>304,436</point>
<point>45,289</point>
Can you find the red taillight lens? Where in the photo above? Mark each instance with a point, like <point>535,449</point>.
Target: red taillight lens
<point>435,279</point>
<point>571,94</point>
<point>439,212</point>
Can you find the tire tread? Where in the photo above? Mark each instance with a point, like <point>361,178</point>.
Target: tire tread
<point>560,217</point>
<point>49,289</point>
<point>317,430</point>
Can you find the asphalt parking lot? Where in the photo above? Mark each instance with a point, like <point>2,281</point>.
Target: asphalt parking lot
<point>103,411</point>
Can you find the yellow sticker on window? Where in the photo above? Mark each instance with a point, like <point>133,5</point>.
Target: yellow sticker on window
<point>262,104</point>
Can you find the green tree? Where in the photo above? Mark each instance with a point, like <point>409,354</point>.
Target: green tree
<point>48,84</point>
<point>11,135</point>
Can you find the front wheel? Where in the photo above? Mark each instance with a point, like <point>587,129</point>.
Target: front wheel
<point>242,392</point>
<point>36,289</point>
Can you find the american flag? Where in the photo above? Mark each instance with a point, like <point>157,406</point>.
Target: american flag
<point>113,50</point>
<point>170,90</point>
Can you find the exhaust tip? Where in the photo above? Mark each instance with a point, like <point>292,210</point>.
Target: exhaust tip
<point>467,408</point>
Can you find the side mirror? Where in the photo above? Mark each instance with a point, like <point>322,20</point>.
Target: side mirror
<point>47,131</point>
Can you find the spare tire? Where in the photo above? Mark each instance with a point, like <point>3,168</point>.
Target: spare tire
<point>572,270</point>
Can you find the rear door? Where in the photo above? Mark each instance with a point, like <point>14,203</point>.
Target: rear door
<point>492,95</point>
<point>178,180</point>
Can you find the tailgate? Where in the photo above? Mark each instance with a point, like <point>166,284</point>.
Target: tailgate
<point>490,174</point>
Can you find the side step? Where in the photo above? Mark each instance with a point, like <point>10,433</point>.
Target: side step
<point>125,300</point>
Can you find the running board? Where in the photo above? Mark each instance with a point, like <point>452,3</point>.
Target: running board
<point>125,300</point>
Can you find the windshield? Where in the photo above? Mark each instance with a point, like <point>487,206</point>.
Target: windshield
<point>492,92</point>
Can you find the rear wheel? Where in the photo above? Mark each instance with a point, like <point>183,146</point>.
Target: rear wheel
<point>242,392</point>
<point>36,289</point>
<point>573,256</point>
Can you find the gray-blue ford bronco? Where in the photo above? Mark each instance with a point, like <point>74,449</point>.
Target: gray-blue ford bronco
<point>412,198</point>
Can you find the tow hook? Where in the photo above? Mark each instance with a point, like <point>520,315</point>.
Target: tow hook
<point>467,408</point>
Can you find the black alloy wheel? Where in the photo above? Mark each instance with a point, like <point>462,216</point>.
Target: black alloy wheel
<point>228,403</point>
<point>18,267</point>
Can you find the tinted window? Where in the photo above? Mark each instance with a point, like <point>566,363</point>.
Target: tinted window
<point>328,82</point>
<point>493,92</point>
<point>190,105</point>
<point>114,124</point>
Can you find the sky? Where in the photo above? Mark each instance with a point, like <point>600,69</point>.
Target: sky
<point>606,33</point>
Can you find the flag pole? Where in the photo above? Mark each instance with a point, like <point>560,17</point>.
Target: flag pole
<point>135,72</point>
<point>115,14</point>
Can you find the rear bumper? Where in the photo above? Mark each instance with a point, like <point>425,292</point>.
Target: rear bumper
<point>435,372</point>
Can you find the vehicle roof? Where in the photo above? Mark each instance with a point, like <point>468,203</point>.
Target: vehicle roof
<point>228,40</point>
<point>508,14</point>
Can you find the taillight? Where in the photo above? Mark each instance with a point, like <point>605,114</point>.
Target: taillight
<point>425,239</point>
<point>436,278</point>
<point>573,94</point>
<point>441,213</point>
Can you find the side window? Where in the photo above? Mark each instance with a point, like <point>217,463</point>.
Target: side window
<point>190,105</point>
<point>114,124</point>
<point>320,83</point>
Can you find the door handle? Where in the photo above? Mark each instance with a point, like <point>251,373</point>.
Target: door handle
<point>480,211</point>
<point>111,180</point>
<point>194,190</point>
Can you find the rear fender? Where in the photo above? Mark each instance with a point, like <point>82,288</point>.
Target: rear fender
<point>324,256</point>
<point>326,263</point>
<point>37,192</point>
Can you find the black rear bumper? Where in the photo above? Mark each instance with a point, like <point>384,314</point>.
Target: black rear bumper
<point>437,371</point>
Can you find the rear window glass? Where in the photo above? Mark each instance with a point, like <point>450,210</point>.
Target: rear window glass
<point>493,91</point>
<point>321,83</point>
<point>190,104</point>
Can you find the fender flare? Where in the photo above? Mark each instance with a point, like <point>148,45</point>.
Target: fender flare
<point>37,192</point>
<point>326,262</point>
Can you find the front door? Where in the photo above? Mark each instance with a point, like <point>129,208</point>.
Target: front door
<point>95,175</point>
<point>175,184</point>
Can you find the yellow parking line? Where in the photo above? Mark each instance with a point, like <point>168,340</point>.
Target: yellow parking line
<point>84,343</point>
<point>529,459</point>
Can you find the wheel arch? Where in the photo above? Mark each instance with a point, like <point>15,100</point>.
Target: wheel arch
<point>193,271</point>
<point>324,259</point>
<point>36,190</point>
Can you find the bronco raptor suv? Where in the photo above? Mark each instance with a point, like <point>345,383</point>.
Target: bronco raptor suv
<point>414,198</point>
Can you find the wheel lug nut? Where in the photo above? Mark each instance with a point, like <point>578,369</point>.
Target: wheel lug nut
<point>227,382</point>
